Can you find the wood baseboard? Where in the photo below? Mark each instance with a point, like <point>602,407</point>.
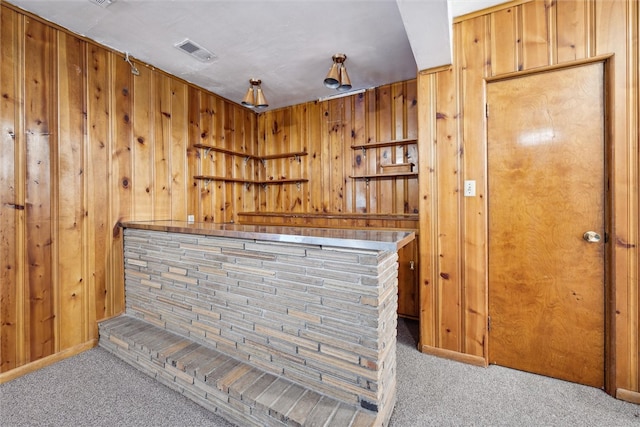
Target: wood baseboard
<point>628,395</point>
<point>454,355</point>
<point>46,361</point>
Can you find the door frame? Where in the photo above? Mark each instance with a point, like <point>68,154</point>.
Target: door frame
<point>609,192</point>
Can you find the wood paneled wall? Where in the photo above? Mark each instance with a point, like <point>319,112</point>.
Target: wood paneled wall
<point>85,144</point>
<point>453,246</point>
<point>327,130</point>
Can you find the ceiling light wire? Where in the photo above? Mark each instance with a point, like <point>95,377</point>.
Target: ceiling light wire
<point>134,70</point>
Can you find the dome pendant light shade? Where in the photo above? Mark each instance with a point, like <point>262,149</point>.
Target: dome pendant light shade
<point>247,101</point>
<point>332,81</point>
<point>260,99</point>
<point>254,96</point>
<point>345,81</point>
<point>337,78</point>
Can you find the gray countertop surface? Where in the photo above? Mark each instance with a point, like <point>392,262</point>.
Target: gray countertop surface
<point>385,240</point>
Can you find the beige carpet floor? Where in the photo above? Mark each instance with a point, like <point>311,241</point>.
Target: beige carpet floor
<point>97,389</point>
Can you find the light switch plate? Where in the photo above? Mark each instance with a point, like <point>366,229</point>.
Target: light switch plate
<point>469,188</point>
<point>191,218</point>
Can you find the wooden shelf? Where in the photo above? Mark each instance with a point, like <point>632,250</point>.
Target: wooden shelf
<point>226,151</point>
<point>385,143</point>
<point>385,175</point>
<point>263,159</point>
<point>221,178</point>
<point>207,178</point>
<point>283,155</point>
<point>250,156</point>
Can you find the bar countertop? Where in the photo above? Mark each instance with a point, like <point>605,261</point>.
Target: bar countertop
<point>388,240</point>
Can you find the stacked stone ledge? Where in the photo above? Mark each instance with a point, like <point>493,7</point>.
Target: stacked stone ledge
<point>320,321</point>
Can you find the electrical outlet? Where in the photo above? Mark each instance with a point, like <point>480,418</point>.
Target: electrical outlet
<point>191,218</point>
<point>469,188</point>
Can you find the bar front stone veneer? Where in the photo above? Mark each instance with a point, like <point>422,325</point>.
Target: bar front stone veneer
<point>316,306</point>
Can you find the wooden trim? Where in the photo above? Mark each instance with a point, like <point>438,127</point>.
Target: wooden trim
<point>434,70</point>
<point>609,284</point>
<point>46,361</point>
<point>577,63</point>
<point>394,217</point>
<point>628,395</point>
<point>454,355</point>
<point>489,10</point>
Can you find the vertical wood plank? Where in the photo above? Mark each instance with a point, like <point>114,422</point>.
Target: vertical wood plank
<point>39,90</point>
<point>143,147</point>
<point>207,136</point>
<point>179,145</point>
<point>162,115</point>
<point>474,53</point>
<point>411,131</point>
<point>448,215</point>
<point>227,164</point>
<point>385,189</point>
<point>347,154</point>
<point>239,165</point>
<point>359,164</point>
<point>504,41</point>
<point>371,154</point>
<point>398,153</point>
<point>428,245</point>
<point>11,140</point>
<point>572,35</point>
<point>302,196</point>
<point>335,124</point>
<point>263,127</point>
<point>316,140</point>
<point>98,194</point>
<point>535,34</point>
<point>70,182</point>
<point>121,173</point>
<point>194,155</point>
<point>249,196</point>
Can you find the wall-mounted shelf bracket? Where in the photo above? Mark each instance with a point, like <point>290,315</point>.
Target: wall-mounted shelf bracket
<point>298,185</point>
<point>264,162</point>
<point>247,185</point>
<point>246,160</point>
<point>207,151</point>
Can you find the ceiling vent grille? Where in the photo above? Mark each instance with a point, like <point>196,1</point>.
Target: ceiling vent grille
<point>103,3</point>
<point>195,50</point>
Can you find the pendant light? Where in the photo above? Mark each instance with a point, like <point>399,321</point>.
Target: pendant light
<point>255,96</point>
<point>337,78</point>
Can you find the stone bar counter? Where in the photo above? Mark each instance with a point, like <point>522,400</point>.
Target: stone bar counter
<point>314,308</point>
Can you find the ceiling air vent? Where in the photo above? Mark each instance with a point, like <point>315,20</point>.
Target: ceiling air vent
<point>103,3</point>
<point>195,50</point>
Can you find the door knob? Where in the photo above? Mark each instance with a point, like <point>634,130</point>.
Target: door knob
<point>591,237</point>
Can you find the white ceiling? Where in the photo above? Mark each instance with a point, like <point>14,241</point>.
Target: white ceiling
<point>286,43</point>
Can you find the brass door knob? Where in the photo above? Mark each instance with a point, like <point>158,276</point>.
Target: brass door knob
<point>591,237</point>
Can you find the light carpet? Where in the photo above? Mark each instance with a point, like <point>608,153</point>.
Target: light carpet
<point>97,389</point>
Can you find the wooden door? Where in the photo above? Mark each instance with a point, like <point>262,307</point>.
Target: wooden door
<point>546,189</point>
